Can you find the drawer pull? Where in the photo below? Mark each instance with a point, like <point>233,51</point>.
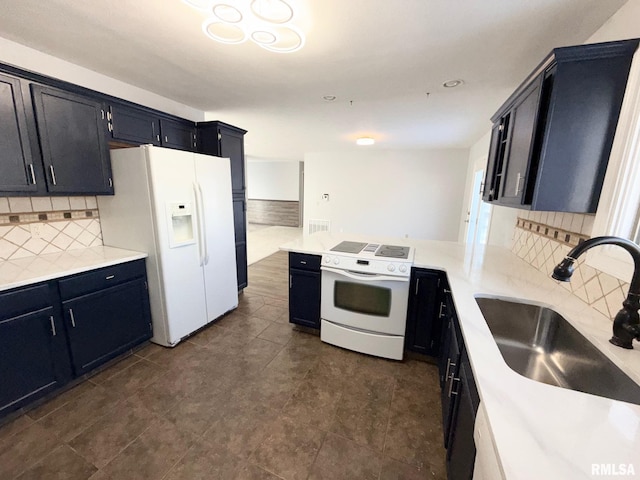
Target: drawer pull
<point>73,319</point>
<point>53,326</point>
<point>303,262</point>
<point>109,277</point>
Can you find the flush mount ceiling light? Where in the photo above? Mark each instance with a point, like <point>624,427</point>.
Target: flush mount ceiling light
<point>265,22</point>
<point>452,83</point>
<point>329,98</point>
<point>365,141</point>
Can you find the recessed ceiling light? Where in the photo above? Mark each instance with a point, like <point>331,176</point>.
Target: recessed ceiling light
<point>452,83</point>
<point>365,141</point>
<point>329,98</point>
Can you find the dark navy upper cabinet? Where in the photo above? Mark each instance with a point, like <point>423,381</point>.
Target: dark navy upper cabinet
<point>179,135</point>
<point>71,129</point>
<point>33,349</point>
<point>224,140</point>
<point>134,125</point>
<point>551,139</point>
<point>17,170</point>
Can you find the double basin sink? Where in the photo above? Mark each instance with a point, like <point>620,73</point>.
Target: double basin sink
<point>540,344</point>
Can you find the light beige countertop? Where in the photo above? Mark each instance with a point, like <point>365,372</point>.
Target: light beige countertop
<point>539,431</point>
<point>39,268</point>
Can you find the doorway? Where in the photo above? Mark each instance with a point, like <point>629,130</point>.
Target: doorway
<point>478,212</point>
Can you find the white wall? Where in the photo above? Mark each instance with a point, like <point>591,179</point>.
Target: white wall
<point>414,193</point>
<point>273,180</point>
<point>35,61</point>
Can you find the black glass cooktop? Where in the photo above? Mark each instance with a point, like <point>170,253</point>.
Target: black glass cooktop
<point>389,251</point>
<point>349,247</point>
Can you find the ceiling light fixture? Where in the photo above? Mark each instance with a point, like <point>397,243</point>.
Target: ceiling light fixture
<point>266,22</point>
<point>452,83</point>
<point>329,98</point>
<point>365,141</point>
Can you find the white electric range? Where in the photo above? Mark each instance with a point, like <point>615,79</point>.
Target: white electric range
<point>365,293</point>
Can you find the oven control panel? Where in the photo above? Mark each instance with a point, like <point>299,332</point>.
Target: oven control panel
<point>368,265</point>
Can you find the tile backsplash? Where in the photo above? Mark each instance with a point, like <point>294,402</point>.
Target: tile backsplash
<point>543,239</point>
<point>38,225</point>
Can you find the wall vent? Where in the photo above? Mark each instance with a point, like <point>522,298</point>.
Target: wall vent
<point>316,225</point>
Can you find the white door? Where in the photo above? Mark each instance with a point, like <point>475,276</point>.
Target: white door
<point>478,213</point>
<point>172,175</point>
<point>213,175</point>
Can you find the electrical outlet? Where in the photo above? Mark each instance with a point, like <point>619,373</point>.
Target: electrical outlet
<point>36,230</point>
<point>325,197</point>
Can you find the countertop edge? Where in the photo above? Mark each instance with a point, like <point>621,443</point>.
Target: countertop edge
<point>43,268</point>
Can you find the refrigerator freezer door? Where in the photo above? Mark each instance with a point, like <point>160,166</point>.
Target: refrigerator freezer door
<point>172,176</point>
<point>213,176</point>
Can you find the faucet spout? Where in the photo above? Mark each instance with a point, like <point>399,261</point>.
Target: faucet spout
<point>626,324</point>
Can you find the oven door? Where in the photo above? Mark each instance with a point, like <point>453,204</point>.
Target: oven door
<point>370,302</point>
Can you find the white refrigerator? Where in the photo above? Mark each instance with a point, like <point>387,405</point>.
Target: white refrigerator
<point>176,206</point>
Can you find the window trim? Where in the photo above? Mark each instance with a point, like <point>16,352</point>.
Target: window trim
<point>619,203</point>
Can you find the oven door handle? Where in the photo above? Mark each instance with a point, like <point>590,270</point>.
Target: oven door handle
<point>367,277</point>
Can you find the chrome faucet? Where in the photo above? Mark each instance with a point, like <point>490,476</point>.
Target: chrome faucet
<point>626,325</point>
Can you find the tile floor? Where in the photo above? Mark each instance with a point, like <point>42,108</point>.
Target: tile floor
<point>249,397</point>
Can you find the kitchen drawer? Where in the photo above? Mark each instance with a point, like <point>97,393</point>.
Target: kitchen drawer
<point>24,299</point>
<point>304,261</point>
<point>99,279</point>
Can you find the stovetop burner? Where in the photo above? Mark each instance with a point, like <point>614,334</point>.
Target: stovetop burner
<point>393,251</point>
<point>363,248</point>
<point>349,247</point>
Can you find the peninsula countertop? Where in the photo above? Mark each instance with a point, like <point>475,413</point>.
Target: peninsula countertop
<point>539,431</point>
<point>40,268</point>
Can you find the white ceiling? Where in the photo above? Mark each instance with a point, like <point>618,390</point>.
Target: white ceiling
<point>380,58</point>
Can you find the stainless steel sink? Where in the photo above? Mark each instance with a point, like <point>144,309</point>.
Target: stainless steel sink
<point>540,344</point>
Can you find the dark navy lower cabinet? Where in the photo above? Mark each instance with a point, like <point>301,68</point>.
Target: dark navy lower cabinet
<point>304,289</point>
<point>53,332</point>
<point>106,323</point>
<point>460,399</point>
<point>33,346</point>
<point>425,312</point>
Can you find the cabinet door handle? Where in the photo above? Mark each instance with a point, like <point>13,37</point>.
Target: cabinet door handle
<point>158,137</point>
<point>290,280</point>
<point>449,365</point>
<point>519,177</point>
<point>417,285</point>
<point>53,326</point>
<point>32,173</point>
<point>166,139</point>
<point>451,390</point>
<point>109,277</point>
<point>73,318</point>
<point>440,311</point>
<point>53,174</point>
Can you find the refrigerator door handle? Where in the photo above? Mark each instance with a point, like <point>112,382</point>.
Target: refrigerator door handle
<point>199,214</point>
<point>203,224</point>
